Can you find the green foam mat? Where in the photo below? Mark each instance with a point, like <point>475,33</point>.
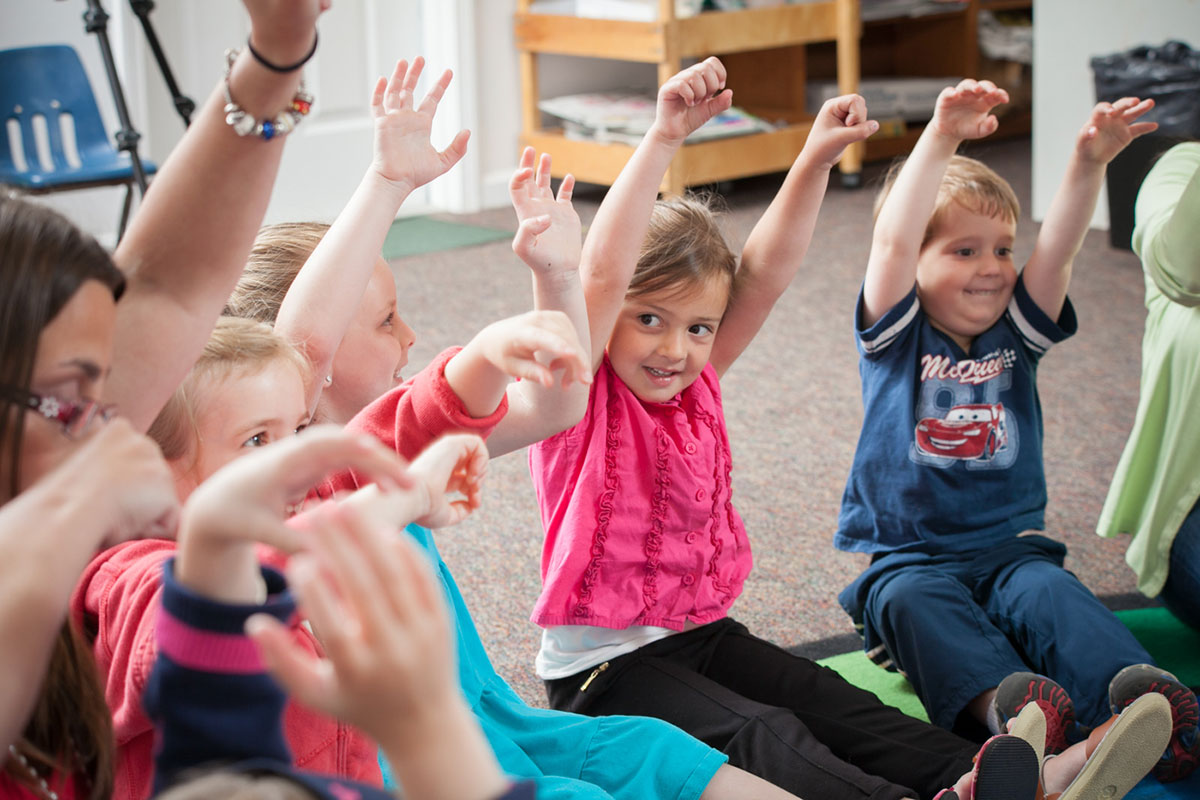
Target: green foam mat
<point>1174,646</point>
<point>412,236</point>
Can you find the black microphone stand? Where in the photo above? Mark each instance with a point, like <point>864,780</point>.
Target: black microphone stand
<point>95,21</point>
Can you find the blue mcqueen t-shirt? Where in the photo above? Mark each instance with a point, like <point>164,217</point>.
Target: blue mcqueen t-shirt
<point>950,454</point>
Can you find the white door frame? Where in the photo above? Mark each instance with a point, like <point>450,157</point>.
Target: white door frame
<point>449,32</point>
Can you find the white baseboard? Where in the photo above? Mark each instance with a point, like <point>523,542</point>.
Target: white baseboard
<point>495,188</point>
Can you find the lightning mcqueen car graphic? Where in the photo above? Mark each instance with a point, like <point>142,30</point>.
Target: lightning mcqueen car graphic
<point>971,431</point>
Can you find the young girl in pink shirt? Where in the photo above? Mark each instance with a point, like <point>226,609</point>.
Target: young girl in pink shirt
<point>644,551</point>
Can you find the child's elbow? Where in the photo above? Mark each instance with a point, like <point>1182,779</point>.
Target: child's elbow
<point>570,411</point>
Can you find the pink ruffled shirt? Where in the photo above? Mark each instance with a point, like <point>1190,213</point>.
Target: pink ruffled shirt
<point>637,507</point>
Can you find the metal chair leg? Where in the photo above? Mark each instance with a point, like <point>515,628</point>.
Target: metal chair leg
<point>125,210</point>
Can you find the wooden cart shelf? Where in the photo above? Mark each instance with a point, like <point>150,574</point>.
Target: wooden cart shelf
<point>701,35</point>
<point>769,54</point>
<point>700,163</point>
<point>763,51</point>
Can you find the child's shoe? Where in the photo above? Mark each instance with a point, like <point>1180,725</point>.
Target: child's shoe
<point>1021,688</point>
<point>1122,751</point>
<point>1006,768</point>
<point>1030,725</point>
<point>1183,752</point>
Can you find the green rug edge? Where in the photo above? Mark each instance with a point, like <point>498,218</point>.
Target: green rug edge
<point>1174,646</point>
<point>410,236</point>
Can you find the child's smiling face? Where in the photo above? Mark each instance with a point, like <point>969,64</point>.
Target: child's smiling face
<point>965,273</point>
<point>662,340</point>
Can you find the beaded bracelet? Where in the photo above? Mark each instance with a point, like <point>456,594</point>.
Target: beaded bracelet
<point>245,125</point>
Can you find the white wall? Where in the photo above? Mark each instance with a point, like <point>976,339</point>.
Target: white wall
<point>1067,33</point>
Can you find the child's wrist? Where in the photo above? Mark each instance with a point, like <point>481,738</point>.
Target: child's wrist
<point>220,569</point>
<point>657,137</point>
<point>558,280</point>
<point>810,162</point>
<point>396,190</point>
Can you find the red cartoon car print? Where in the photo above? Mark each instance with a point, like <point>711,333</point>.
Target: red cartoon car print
<point>971,431</point>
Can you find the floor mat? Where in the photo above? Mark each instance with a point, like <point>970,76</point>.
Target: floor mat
<point>1175,647</point>
<point>410,236</point>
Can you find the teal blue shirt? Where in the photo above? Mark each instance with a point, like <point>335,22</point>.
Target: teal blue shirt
<point>569,755</point>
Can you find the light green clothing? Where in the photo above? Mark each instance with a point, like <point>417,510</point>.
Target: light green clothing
<point>1157,481</point>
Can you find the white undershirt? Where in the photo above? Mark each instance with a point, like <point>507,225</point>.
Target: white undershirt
<point>570,649</point>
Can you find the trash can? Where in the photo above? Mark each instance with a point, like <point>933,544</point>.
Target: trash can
<point>1170,74</point>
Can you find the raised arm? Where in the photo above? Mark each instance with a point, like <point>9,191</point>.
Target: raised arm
<point>548,240</point>
<point>322,301</point>
<point>1166,236</point>
<point>188,243</point>
<point>1108,130</point>
<point>962,112</point>
<point>544,346</point>
<point>776,247</point>
<point>610,253</point>
<point>388,637</point>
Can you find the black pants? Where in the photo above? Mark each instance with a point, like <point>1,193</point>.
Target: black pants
<point>784,718</point>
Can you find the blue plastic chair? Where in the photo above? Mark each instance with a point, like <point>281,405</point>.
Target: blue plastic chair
<point>49,82</point>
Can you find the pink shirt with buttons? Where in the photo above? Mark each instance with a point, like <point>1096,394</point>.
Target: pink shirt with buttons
<point>637,507</point>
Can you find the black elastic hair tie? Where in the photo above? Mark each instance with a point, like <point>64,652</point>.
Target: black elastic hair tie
<point>287,68</point>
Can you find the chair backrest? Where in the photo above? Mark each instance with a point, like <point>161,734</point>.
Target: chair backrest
<point>49,81</point>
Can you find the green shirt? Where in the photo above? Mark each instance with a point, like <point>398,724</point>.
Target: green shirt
<point>1157,481</point>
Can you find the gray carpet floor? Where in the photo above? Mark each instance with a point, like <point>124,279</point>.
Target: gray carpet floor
<point>793,408</point>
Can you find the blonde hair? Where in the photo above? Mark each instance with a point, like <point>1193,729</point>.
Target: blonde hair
<point>683,248</point>
<point>278,254</point>
<point>968,182</point>
<point>237,786</point>
<point>235,344</point>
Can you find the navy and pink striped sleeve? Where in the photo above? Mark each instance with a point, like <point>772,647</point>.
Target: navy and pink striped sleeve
<point>209,694</point>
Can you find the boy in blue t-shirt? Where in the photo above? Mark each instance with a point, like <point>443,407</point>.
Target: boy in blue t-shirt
<point>948,476</point>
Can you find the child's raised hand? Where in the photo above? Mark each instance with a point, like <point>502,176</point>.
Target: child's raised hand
<point>403,152</point>
<point>452,465</point>
<point>1111,127</point>
<point>247,500</point>
<point>841,122</point>
<point>691,98</point>
<point>534,345</point>
<point>549,238</point>
<point>389,666</point>
<point>964,111</point>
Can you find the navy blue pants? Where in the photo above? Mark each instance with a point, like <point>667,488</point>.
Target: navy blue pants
<point>1181,593</point>
<point>956,624</point>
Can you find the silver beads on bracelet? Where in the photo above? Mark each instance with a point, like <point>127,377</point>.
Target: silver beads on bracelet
<point>244,124</point>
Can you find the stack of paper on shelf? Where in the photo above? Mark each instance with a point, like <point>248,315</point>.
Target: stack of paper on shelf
<point>886,9</point>
<point>909,99</point>
<point>625,117</point>
<point>636,10</point>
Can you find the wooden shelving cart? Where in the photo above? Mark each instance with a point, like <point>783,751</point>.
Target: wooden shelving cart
<point>764,50</point>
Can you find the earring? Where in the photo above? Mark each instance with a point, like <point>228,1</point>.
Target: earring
<point>328,380</point>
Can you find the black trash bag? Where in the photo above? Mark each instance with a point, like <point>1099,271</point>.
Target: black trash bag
<point>1170,74</point>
